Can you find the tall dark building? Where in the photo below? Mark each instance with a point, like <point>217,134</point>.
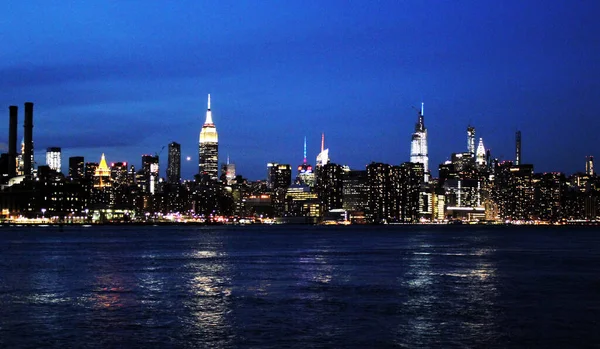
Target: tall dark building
<point>380,189</point>
<point>174,163</point>
<point>76,167</point>
<point>279,176</point>
<point>356,190</point>
<point>513,191</point>
<point>90,169</point>
<point>471,140</point>
<point>394,191</point>
<point>149,173</point>
<point>28,140</point>
<point>330,186</point>
<point>208,148</point>
<point>12,141</point>
<point>518,154</point>
<point>119,174</point>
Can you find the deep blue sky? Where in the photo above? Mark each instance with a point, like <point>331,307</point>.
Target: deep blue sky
<point>128,77</point>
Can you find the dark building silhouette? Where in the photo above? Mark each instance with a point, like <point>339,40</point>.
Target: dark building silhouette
<point>76,167</point>
<point>278,176</point>
<point>329,186</point>
<point>513,191</point>
<point>28,140</point>
<point>90,169</point>
<point>12,141</point>
<point>174,163</point>
<point>356,190</point>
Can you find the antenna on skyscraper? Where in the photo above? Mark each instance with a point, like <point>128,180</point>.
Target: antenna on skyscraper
<point>304,149</point>
<point>322,141</point>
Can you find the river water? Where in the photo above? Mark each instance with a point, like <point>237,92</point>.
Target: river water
<point>300,287</point>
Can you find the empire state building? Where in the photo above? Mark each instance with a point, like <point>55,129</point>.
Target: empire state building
<point>208,147</point>
<point>418,145</point>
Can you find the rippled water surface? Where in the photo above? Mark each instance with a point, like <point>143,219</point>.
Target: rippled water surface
<point>300,287</point>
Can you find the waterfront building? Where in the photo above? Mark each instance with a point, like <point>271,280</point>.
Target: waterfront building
<point>549,192</point>
<point>174,163</point>
<point>380,189</point>
<point>355,190</point>
<point>302,204</point>
<point>208,148</point>
<point>329,186</point>
<point>412,200</point>
<point>53,158</point>
<point>418,145</point>
<point>513,191</point>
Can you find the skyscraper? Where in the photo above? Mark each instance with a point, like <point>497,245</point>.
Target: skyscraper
<point>53,158</point>
<point>228,172</point>
<point>149,173</point>
<point>208,147</point>
<point>518,154</point>
<point>279,176</point>
<point>174,165</point>
<point>418,145</point>
<point>305,171</point>
<point>471,139</point>
<point>28,160</point>
<point>323,157</point>
<point>76,167</point>
<point>102,174</point>
<point>480,156</point>
<point>589,165</point>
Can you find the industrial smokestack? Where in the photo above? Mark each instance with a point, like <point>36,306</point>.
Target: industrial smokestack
<point>13,112</point>
<point>28,139</point>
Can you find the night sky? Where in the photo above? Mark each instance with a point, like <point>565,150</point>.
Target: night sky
<point>128,77</point>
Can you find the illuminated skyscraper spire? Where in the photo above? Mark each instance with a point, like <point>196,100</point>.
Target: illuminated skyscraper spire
<point>418,145</point>
<point>209,119</point>
<point>323,157</point>
<point>480,157</point>
<point>322,141</point>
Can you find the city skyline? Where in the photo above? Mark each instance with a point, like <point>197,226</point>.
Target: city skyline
<point>280,72</point>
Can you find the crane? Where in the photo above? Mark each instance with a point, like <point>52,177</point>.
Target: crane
<point>160,152</point>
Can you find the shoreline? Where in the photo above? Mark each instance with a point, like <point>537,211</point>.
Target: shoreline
<point>476,225</point>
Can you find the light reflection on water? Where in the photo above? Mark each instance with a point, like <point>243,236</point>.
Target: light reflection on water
<point>209,290</point>
<point>253,288</point>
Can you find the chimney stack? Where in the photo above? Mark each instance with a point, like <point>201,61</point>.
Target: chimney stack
<point>13,112</point>
<point>28,139</point>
